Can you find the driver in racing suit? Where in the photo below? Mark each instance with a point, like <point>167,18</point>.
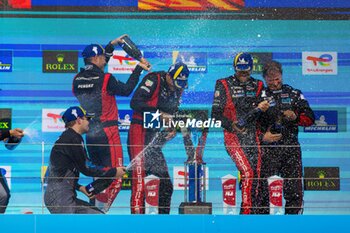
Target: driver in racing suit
<point>158,92</point>
<point>234,97</point>
<point>4,189</point>
<point>68,159</point>
<point>96,93</point>
<point>281,149</point>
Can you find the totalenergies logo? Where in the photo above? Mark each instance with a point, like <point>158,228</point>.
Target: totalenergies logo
<point>55,117</point>
<point>125,59</point>
<point>52,120</point>
<point>323,60</point>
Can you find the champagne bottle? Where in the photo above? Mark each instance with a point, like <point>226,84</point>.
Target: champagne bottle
<point>98,185</point>
<point>277,127</point>
<point>90,188</point>
<point>130,48</point>
<point>250,117</point>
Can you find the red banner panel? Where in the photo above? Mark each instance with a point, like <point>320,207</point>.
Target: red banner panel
<point>20,4</point>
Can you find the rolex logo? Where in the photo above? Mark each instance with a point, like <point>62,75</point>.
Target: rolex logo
<point>60,58</point>
<point>321,178</point>
<point>321,174</point>
<point>60,61</point>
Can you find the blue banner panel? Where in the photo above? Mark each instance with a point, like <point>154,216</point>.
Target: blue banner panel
<point>84,3</point>
<point>298,3</point>
<point>171,224</point>
<point>325,122</point>
<point>5,61</point>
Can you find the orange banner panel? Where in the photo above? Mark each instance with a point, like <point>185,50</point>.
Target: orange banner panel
<point>190,5</point>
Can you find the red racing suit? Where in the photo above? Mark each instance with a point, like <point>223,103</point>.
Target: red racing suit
<point>152,94</point>
<point>232,101</point>
<point>96,93</point>
<point>283,158</point>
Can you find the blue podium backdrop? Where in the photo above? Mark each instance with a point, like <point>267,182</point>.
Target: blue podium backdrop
<point>315,55</point>
<point>171,224</point>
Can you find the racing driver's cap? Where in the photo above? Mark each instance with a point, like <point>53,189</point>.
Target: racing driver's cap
<point>243,62</point>
<point>93,50</point>
<point>75,112</point>
<point>179,73</point>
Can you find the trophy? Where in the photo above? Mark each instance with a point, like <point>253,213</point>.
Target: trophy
<point>195,174</point>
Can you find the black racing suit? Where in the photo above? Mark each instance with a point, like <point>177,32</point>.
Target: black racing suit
<point>283,158</point>
<point>232,101</point>
<point>96,93</point>
<point>4,189</point>
<point>67,160</point>
<point>152,94</point>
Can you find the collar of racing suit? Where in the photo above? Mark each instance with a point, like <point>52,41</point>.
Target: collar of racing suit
<point>91,67</point>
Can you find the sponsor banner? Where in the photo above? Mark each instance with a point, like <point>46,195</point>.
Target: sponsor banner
<point>121,63</point>
<point>5,118</point>
<point>60,61</point>
<point>152,194</point>
<point>320,63</point>
<point>124,119</point>
<point>325,122</point>
<point>190,5</point>
<point>275,190</point>
<point>321,178</point>
<point>228,184</point>
<point>179,178</point>
<point>195,61</point>
<point>6,172</point>
<point>259,59</point>
<point>52,120</point>
<point>275,193</point>
<point>6,61</point>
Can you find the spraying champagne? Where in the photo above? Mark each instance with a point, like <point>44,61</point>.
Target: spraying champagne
<point>131,48</point>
